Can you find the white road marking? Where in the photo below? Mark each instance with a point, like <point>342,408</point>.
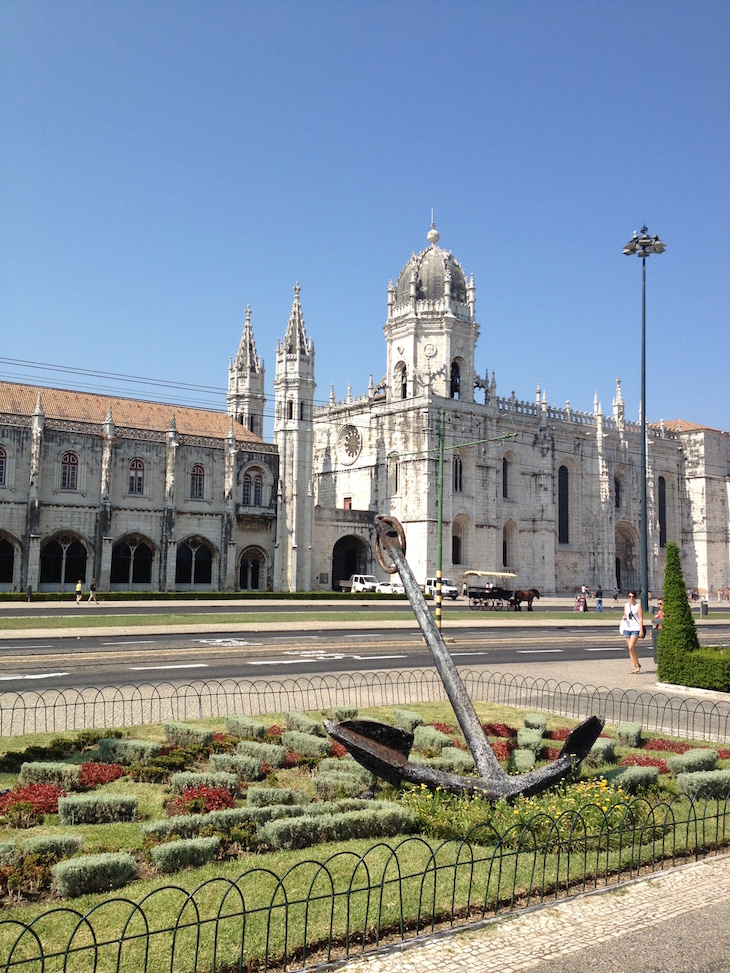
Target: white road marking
<point>469,653</point>
<point>227,642</point>
<point>607,648</point>
<point>538,651</point>
<point>136,642</point>
<point>39,675</point>
<point>192,665</point>
<point>311,657</point>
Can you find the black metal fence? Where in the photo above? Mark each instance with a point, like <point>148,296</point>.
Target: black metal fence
<point>74,709</point>
<point>320,911</point>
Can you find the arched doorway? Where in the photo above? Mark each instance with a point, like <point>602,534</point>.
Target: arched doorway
<point>349,556</point>
<point>63,562</point>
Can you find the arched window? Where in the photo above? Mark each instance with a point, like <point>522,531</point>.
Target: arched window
<point>458,476</point>
<point>401,381</point>
<point>69,471</point>
<point>63,562</point>
<point>131,563</point>
<point>455,380</point>
<point>505,478</point>
<point>136,476</point>
<point>258,488</point>
<point>509,544</point>
<point>7,560</point>
<point>393,473</point>
<point>290,409</point>
<point>246,498</point>
<point>563,506</point>
<point>3,466</point>
<point>197,483</point>
<point>301,411</point>
<point>194,563</point>
<point>249,574</point>
<point>455,549</point>
<point>617,492</point>
<point>662,505</point>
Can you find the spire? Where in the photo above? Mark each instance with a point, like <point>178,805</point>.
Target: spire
<point>247,359</point>
<point>295,340</point>
<point>39,406</point>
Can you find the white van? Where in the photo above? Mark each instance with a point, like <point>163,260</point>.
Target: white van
<point>448,589</point>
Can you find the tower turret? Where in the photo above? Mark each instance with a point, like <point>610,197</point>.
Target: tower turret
<point>246,399</point>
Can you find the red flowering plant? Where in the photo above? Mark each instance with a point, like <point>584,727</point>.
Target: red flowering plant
<point>338,750</point>
<point>560,733</point>
<point>200,800</point>
<point>503,749</point>
<point>499,730</point>
<point>25,805</point>
<point>635,760</point>
<point>93,774</point>
<point>443,728</point>
<point>666,745</point>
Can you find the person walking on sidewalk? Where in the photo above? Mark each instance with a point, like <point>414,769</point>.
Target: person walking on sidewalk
<point>632,627</point>
<point>599,600</point>
<point>92,592</point>
<point>79,591</point>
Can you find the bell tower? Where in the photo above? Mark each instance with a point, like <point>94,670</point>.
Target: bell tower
<point>246,399</point>
<point>431,331</point>
<point>294,387</point>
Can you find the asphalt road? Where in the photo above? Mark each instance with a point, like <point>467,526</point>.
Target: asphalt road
<point>94,660</point>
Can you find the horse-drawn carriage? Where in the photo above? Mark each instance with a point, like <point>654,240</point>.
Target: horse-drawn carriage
<point>485,590</point>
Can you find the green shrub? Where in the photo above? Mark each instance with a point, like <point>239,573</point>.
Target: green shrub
<point>262,796</point>
<point>530,739</point>
<point>303,724</point>
<point>114,751</point>
<point>603,751</point>
<point>96,808</point>
<point>266,753</point>
<point>344,712</point>
<point>245,768</point>
<point>678,634</point>
<point>186,778</point>
<point>330,785</point>
<point>7,851</point>
<point>429,738</point>
<point>244,727</point>
<point>705,668</point>
<point>407,720</point>
<point>536,721</point>
<point>383,821</point>
<point>185,735</point>
<point>93,873</point>
<point>522,761</point>
<point>629,734</point>
<point>692,761</point>
<point>708,784</point>
<point>346,765</point>
<point>67,775</point>
<point>185,853</point>
<point>635,779</point>
<point>53,847</point>
<point>455,760</point>
<point>306,744</point>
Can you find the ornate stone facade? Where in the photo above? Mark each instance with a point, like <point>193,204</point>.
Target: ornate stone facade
<point>141,495</point>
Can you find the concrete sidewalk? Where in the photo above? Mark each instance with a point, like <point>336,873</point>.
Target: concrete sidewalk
<point>677,920</point>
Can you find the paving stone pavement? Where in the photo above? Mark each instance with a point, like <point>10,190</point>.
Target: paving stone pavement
<point>612,929</point>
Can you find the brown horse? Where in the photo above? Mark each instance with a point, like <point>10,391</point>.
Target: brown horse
<point>527,596</point>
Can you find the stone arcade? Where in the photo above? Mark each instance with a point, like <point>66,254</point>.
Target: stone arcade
<point>143,495</point>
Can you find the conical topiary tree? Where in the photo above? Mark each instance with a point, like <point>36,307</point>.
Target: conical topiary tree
<point>678,632</point>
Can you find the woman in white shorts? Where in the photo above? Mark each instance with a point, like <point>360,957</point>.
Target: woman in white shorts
<point>632,626</point>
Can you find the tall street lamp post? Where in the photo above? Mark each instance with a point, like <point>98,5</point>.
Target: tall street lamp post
<point>643,246</point>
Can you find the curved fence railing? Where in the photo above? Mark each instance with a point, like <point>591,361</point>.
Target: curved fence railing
<point>320,911</point>
<point>74,709</point>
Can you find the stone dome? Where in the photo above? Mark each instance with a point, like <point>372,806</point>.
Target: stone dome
<point>431,267</point>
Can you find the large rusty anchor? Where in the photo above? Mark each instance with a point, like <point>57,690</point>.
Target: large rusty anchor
<point>383,749</point>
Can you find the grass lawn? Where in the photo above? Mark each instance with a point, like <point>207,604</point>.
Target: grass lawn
<point>260,903</point>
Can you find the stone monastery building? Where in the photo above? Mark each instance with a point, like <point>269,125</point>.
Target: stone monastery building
<point>143,495</point>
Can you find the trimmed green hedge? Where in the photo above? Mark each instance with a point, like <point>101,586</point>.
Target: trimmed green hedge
<point>93,873</point>
<point>185,853</point>
<point>96,808</point>
<point>183,734</point>
<point>265,753</point>
<point>244,727</point>
<point>375,822</point>
<point>706,668</point>
<point>67,775</point>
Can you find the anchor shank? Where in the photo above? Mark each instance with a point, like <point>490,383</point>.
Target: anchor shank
<point>486,762</point>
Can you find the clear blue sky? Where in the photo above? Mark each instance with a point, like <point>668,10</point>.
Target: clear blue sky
<point>165,164</point>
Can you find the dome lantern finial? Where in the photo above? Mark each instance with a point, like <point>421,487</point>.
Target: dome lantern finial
<point>433,234</point>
